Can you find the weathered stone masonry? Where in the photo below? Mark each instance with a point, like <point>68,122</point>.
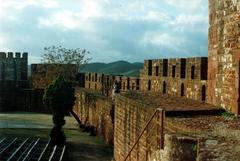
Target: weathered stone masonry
<point>180,77</point>
<point>13,68</point>
<point>224,54</point>
<point>44,74</point>
<point>13,78</point>
<point>95,111</point>
<point>104,83</point>
<point>185,77</point>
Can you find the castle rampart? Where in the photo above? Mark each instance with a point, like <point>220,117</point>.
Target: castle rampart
<point>96,112</point>
<point>213,79</point>
<point>104,83</point>
<point>184,77</point>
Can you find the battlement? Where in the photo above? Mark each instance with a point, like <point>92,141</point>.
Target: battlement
<point>184,77</point>
<point>104,82</point>
<point>13,66</point>
<point>182,68</point>
<point>11,55</point>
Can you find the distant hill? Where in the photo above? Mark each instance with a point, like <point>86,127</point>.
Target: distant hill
<point>115,68</point>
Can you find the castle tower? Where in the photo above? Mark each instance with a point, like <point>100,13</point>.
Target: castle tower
<point>24,66</point>
<point>224,54</point>
<point>13,67</point>
<point>2,60</point>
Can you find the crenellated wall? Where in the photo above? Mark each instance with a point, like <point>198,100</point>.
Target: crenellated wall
<point>104,83</point>
<point>13,68</point>
<point>121,120</point>
<point>13,79</point>
<point>185,77</point>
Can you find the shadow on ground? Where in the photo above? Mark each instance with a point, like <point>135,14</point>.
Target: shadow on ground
<point>88,152</point>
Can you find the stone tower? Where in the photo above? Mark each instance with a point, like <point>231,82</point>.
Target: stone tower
<point>13,68</point>
<point>224,54</point>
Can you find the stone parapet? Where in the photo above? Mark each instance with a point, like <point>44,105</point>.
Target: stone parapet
<point>96,113</point>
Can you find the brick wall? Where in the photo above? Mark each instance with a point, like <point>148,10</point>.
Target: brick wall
<point>224,53</point>
<point>186,77</point>
<point>179,77</point>
<point>44,74</point>
<point>95,110</point>
<point>130,118</point>
<point>104,83</point>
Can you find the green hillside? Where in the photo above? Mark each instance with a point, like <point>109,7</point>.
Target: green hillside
<point>93,67</point>
<point>115,68</point>
<point>132,73</point>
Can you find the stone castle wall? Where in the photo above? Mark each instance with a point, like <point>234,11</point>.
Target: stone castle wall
<point>13,79</point>
<point>44,74</point>
<point>214,79</point>
<point>130,119</point>
<point>96,112</point>
<point>120,121</point>
<point>104,83</point>
<point>224,54</point>
<point>185,77</point>
<point>13,68</point>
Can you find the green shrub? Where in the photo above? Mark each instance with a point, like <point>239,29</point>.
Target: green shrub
<point>59,96</point>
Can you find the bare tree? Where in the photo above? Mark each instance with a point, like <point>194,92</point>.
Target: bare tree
<point>61,55</point>
<point>60,61</point>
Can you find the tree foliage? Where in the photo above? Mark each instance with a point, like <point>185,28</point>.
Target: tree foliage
<point>64,64</point>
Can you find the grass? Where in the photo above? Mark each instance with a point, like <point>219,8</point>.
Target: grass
<point>228,115</point>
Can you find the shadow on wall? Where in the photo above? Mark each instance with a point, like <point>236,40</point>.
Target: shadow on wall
<point>22,99</point>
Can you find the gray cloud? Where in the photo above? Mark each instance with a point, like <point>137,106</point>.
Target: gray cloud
<point>132,31</point>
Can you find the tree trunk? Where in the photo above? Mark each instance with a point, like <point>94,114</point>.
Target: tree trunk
<point>76,117</point>
<point>57,134</point>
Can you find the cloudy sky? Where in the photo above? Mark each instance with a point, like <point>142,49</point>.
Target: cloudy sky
<point>111,30</point>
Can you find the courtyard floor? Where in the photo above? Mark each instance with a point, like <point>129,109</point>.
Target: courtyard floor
<point>81,146</point>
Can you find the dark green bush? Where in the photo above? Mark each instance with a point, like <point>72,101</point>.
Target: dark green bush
<point>59,96</point>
